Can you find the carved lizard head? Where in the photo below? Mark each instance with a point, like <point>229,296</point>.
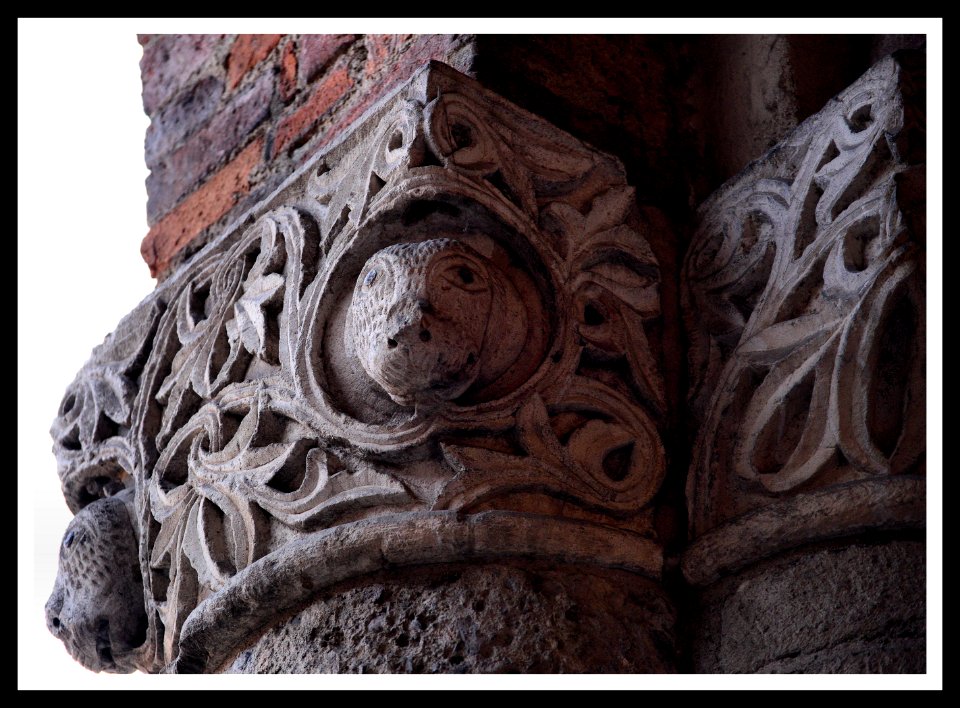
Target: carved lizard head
<point>428,320</point>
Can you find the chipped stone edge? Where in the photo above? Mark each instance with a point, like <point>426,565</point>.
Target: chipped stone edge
<point>889,503</point>
<point>277,584</point>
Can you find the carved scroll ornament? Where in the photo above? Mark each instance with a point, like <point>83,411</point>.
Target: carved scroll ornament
<point>805,308</point>
<point>443,319</point>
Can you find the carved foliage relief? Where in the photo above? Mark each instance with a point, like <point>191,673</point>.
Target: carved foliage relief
<point>449,310</point>
<point>805,309</point>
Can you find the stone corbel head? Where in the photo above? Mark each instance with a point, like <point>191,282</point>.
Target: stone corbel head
<point>433,320</point>
<point>96,607</point>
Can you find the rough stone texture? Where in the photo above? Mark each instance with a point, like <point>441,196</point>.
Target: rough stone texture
<point>804,303</point>
<point>684,114</point>
<point>891,503</point>
<point>281,582</point>
<point>476,620</point>
<point>847,609</point>
<point>456,322</point>
<point>884,656</point>
<point>90,432</point>
<point>453,338</point>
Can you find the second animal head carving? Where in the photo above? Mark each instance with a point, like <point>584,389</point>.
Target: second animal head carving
<point>96,608</point>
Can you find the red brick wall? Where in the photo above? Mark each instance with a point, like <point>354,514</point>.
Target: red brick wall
<point>231,116</point>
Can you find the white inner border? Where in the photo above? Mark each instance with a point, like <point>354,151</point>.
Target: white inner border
<point>81,216</point>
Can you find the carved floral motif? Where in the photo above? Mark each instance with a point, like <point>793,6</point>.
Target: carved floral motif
<point>805,306</point>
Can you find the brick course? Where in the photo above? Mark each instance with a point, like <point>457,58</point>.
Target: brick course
<point>181,117</point>
<point>202,208</point>
<point>317,52</point>
<point>296,127</point>
<point>176,174</point>
<point>247,51</point>
<point>170,61</point>
<point>233,115</point>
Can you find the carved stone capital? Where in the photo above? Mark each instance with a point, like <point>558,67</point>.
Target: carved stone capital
<point>434,343</point>
<point>804,301</point>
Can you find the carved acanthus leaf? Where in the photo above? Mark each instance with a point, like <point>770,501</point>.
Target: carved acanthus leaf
<point>614,465</point>
<point>805,309</point>
<point>250,324</point>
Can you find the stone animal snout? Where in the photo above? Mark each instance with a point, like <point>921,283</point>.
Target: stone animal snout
<point>423,317</point>
<point>96,608</point>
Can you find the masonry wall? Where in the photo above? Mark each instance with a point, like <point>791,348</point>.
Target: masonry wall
<point>231,116</point>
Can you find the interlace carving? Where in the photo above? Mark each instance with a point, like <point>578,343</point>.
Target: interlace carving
<point>805,307</point>
<point>448,311</point>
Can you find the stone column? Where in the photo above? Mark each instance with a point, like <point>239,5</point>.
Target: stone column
<point>403,415</point>
<point>804,300</point>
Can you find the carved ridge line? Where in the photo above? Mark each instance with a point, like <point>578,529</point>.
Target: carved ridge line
<point>833,512</point>
<point>279,582</point>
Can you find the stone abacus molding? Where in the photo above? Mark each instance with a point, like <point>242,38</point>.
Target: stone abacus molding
<point>805,307</point>
<point>435,342</point>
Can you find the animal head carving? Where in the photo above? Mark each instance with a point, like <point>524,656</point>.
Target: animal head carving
<point>430,320</point>
<point>97,607</point>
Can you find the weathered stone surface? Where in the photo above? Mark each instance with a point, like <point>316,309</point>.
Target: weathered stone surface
<point>859,608</point>
<point>894,503</point>
<point>91,431</point>
<point>475,620</point>
<point>882,656</point>
<point>436,342</point>
<point>452,320</point>
<point>284,580</point>
<point>804,301</point>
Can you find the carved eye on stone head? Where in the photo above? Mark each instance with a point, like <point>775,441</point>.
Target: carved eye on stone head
<point>460,272</point>
<point>377,280</point>
<point>68,539</point>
